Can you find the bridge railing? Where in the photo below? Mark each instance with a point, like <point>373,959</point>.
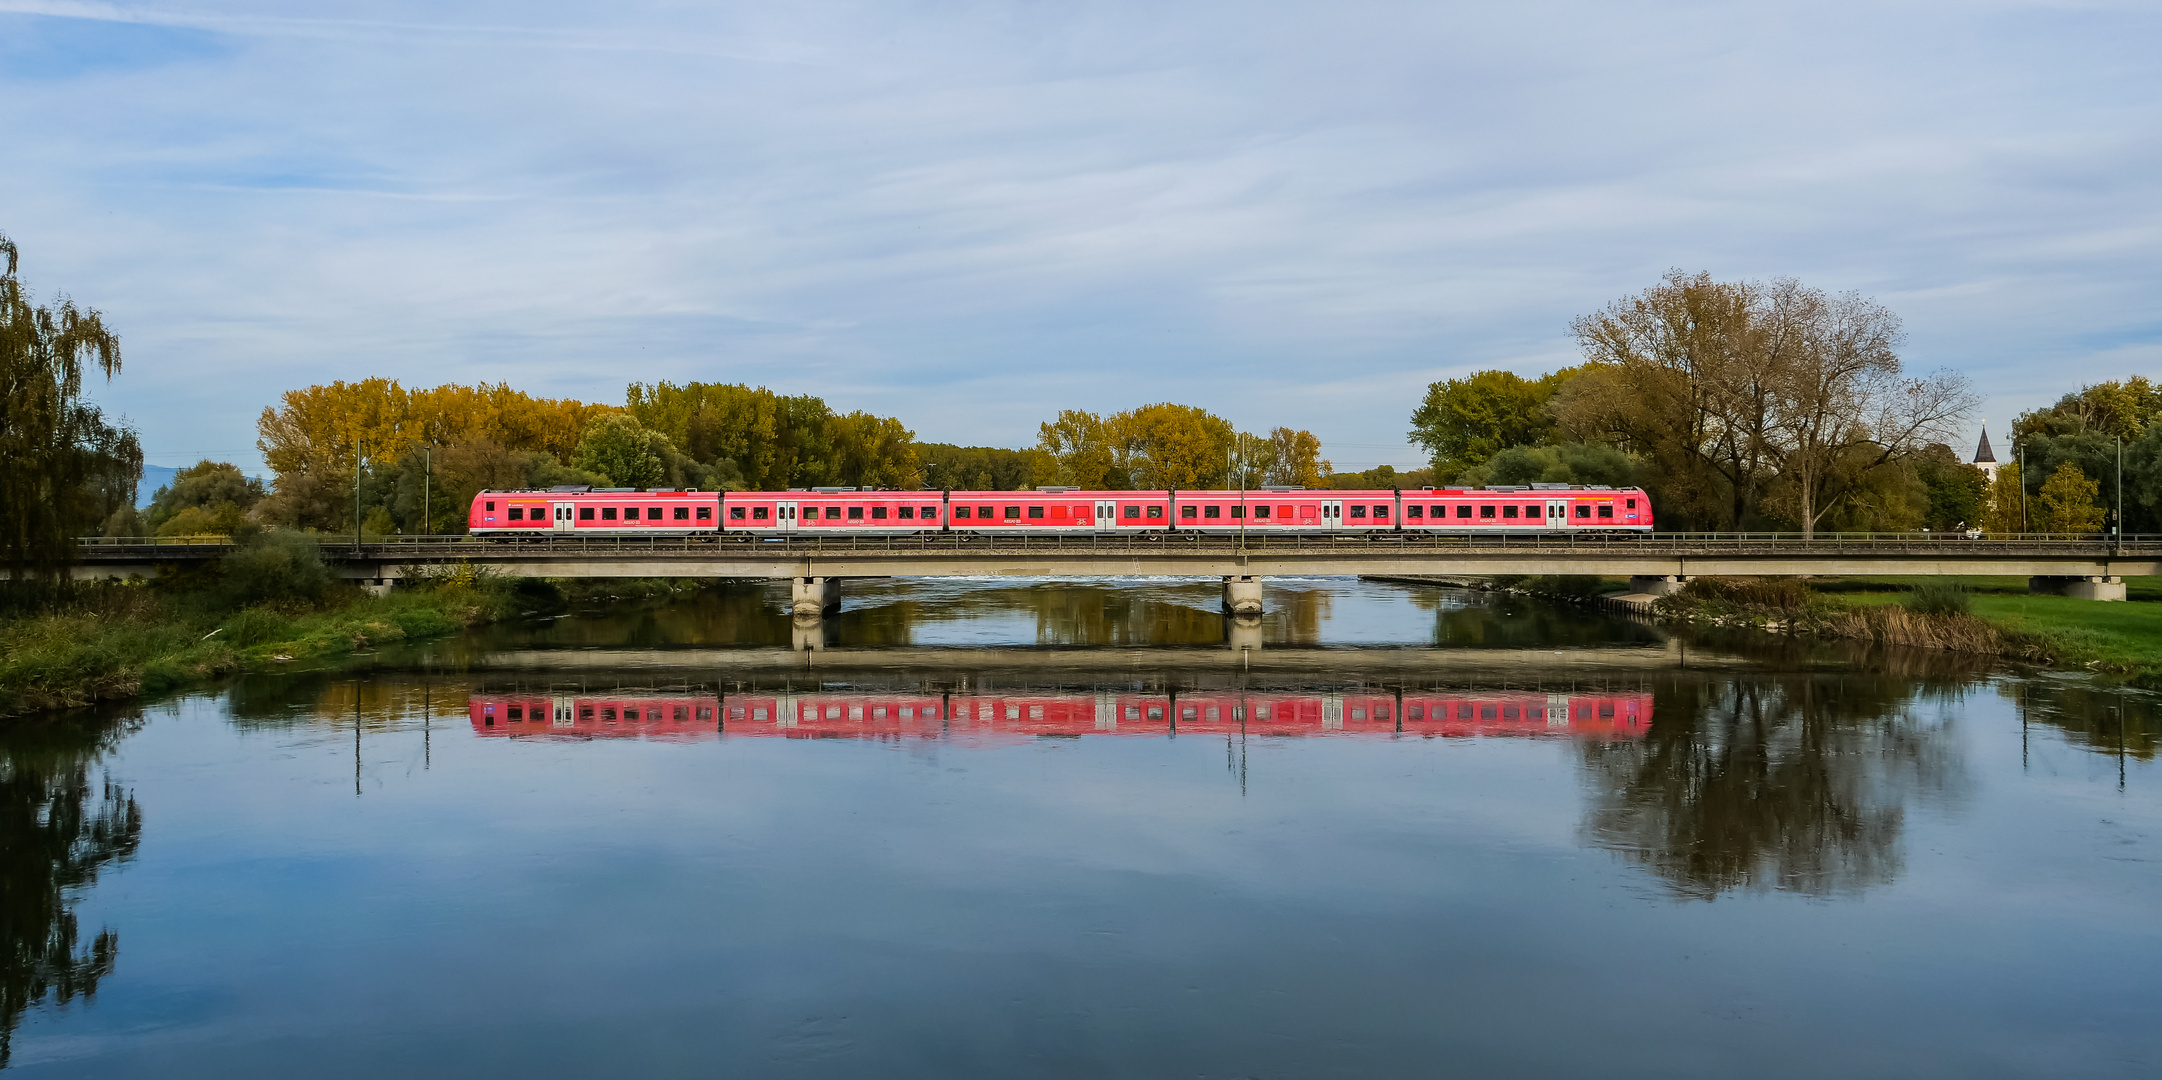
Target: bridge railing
<point>461,546</point>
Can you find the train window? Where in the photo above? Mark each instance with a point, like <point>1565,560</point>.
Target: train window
<point>680,713</point>
<point>1358,511</point>
<point>517,712</point>
<point>908,513</point>
<point>1035,513</point>
<point>930,513</point>
<point>1534,510</point>
<point>1606,510</point>
<point>1463,510</point>
<point>705,513</point>
<point>1189,512</point>
<point>759,513</point>
<point>1133,512</point>
<point>1058,513</point>
<point>491,508</point>
<point>1381,511</point>
<point>630,714</point>
<point>585,712</point>
<point>1261,511</point>
<point>960,513</point>
<point>1156,511</point>
<point>608,513</point>
<point>1508,511</point>
<point>735,513</point>
<point>517,513</point>
<point>1415,511</point>
<point>878,513</point>
<point>1415,712</point>
<point>653,513</point>
<point>1381,712</point>
<point>1486,511</point>
<point>1632,504</point>
<point>1013,513</point>
<point>585,513</point>
<point>855,513</point>
<point>1583,511</point>
<point>683,513</point>
<point>833,513</point>
<point>1213,511</point>
<point>1238,511</point>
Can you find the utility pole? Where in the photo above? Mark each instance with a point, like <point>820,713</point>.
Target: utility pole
<point>427,496</point>
<point>2024,526</point>
<point>359,455</point>
<point>2119,535</point>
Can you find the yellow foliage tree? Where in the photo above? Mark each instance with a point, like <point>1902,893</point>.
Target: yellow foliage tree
<point>2001,513</point>
<point>2068,502</point>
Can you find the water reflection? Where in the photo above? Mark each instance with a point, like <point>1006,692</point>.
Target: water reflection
<point>2102,718</point>
<point>60,825</point>
<point>1796,783</point>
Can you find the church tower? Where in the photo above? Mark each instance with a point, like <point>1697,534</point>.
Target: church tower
<point>1984,459</point>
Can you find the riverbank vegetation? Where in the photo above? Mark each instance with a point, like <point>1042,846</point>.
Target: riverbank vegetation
<point>1990,616</point>
<point>270,603</point>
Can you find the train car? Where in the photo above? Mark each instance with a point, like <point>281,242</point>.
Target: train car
<point>835,511</point>
<point>594,511</point>
<point>1528,508</point>
<point>668,718</point>
<point>1609,717</point>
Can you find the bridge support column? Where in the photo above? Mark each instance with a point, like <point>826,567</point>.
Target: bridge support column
<point>2085,588</point>
<point>1657,586</point>
<point>814,596</point>
<point>1242,595</point>
<point>1243,632</point>
<point>375,586</point>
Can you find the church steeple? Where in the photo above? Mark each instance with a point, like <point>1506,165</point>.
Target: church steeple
<point>1982,454</point>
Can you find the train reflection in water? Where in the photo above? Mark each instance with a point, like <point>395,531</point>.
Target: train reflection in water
<point>1020,715</point>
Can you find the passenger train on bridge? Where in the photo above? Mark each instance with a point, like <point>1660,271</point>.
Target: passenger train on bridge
<point>1273,511</point>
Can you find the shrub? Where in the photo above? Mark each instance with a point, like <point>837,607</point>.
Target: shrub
<point>1783,594</point>
<point>274,566</point>
<point>1937,598</point>
<point>258,626</point>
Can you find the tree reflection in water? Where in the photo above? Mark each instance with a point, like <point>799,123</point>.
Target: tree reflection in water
<point>59,827</point>
<point>1795,783</point>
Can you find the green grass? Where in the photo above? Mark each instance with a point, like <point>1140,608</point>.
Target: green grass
<point>2123,637</point>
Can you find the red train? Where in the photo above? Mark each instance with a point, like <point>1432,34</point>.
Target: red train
<point>1536,508</point>
<point>1015,717</point>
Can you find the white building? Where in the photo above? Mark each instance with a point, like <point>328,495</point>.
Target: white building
<point>1984,459</point>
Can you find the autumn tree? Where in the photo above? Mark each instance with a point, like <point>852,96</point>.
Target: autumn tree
<point>2068,503</point>
<point>2005,513</point>
<point>758,439</point>
<point>1077,452</point>
<point>1294,457</point>
<point>626,453</point>
<point>208,497</point>
<point>63,468</point>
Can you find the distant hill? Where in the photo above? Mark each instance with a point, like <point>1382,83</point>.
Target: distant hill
<point>154,477</point>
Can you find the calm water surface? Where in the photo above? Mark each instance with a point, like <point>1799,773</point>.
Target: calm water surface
<point>986,828</point>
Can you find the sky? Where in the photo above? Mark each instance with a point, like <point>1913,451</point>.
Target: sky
<point>973,214</point>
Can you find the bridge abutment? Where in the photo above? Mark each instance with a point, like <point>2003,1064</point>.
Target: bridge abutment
<point>1657,585</point>
<point>1242,595</point>
<point>814,596</point>
<point>2084,588</point>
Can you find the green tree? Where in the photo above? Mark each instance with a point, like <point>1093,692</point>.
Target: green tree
<point>206,497</point>
<point>63,469</point>
<point>616,446</point>
<point>2005,511</point>
<point>1956,493</point>
<point>1566,463</point>
<point>1464,422</point>
<point>2068,502</point>
<point>1077,451</point>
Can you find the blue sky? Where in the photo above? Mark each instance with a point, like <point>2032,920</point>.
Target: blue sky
<point>971,215</point>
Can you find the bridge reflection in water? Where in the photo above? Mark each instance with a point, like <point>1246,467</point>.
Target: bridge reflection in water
<point>992,718</point>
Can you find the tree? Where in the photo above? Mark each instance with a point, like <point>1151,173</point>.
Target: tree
<point>1077,452</point>
<point>2006,511</point>
<point>63,468</point>
<point>623,451</point>
<point>1955,493</point>
<point>2068,503</point>
<point>1463,422</point>
<point>1294,457</point>
<point>1166,446</point>
<point>206,497</point>
<point>1568,463</point>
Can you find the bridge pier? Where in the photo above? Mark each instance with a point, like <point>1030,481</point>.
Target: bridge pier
<point>813,596</point>
<point>1243,632</point>
<point>1242,595</point>
<point>1655,585</point>
<point>2084,588</point>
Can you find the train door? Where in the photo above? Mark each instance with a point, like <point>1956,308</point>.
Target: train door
<point>1557,513</point>
<point>1332,513</point>
<point>1107,516</point>
<point>784,517</point>
<point>566,517</point>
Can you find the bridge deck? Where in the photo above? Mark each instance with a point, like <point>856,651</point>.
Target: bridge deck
<point>1679,554</point>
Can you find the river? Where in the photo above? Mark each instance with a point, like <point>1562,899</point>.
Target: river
<point>1015,829</point>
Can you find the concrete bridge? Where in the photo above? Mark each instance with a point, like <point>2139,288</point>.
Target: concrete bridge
<point>1655,563</point>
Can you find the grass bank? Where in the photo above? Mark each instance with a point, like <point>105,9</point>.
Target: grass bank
<point>270,604</point>
<point>1996,616</point>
